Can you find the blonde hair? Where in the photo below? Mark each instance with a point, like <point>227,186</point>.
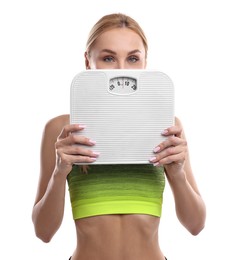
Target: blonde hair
<point>112,21</point>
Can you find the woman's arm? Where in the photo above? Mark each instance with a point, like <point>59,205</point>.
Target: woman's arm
<point>58,154</point>
<point>174,155</point>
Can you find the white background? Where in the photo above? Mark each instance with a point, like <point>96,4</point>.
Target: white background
<point>42,45</point>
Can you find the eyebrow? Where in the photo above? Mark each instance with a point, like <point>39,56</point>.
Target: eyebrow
<point>114,53</point>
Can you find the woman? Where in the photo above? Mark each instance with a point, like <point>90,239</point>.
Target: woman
<point>104,233</point>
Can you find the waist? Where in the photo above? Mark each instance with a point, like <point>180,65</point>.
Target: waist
<point>118,237</point>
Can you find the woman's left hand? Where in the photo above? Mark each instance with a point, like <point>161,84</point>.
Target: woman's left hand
<point>172,152</point>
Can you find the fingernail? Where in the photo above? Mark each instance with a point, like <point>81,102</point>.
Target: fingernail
<point>82,126</point>
<point>164,132</point>
<point>156,164</point>
<point>93,159</point>
<point>92,141</point>
<point>152,159</point>
<point>96,154</point>
<point>156,149</point>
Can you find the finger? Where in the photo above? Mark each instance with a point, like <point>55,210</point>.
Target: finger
<point>71,154</point>
<point>80,139</point>
<point>80,150</point>
<point>84,159</point>
<point>173,130</point>
<point>72,159</point>
<point>175,158</point>
<point>74,139</point>
<point>172,150</point>
<point>170,141</point>
<point>68,129</point>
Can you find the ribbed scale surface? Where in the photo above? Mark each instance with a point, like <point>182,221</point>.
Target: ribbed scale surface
<point>126,127</point>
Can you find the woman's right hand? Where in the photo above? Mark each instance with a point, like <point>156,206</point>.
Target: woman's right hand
<point>68,150</point>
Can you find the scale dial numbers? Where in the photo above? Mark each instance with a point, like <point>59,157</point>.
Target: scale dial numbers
<point>122,85</point>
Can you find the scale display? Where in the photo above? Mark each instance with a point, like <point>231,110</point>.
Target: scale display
<point>123,85</point>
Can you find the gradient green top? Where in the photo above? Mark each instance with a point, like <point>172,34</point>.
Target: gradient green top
<point>116,189</point>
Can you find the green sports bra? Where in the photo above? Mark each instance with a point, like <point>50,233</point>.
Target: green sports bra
<point>116,189</point>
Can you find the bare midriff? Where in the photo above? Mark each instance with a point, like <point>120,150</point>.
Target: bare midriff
<point>118,237</point>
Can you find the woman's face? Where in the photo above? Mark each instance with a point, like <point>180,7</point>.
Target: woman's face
<point>119,48</point>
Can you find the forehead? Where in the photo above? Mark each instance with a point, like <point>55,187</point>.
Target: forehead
<point>119,38</point>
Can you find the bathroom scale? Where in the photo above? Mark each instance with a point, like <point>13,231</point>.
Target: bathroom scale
<point>124,111</point>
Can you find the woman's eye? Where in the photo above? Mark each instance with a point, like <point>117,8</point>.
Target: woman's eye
<point>133,59</point>
<point>108,59</point>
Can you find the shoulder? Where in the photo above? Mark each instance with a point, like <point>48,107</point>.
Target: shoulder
<point>55,125</point>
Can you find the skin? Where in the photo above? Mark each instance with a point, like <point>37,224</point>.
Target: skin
<point>113,237</point>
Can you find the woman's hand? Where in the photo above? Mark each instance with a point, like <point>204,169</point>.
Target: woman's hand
<point>68,150</point>
<point>172,152</point>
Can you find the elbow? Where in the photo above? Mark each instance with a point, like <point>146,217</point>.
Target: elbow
<point>42,233</point>
<point>44,237</point>
<point>196,230</point>
<point>197,223</point>
<point>196,227</point>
